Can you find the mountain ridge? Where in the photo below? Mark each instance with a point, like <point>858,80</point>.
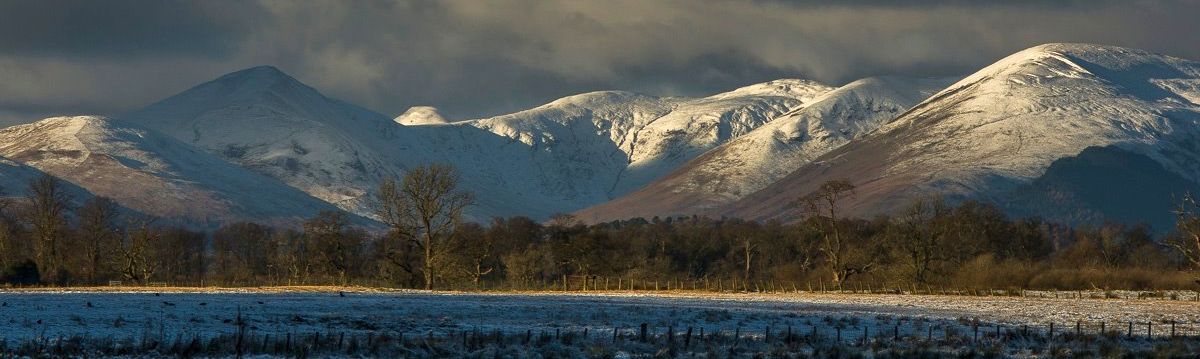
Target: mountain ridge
<point>1003,126</point>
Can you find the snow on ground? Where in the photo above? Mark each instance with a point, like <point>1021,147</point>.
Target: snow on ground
<point>46,313</point>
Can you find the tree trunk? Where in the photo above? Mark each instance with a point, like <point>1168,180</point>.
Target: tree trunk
<point>428,261</point>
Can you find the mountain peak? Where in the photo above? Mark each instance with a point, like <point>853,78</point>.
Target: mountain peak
<point>797,88</point>
<point>421,115</point>
<point>258,78</point>
<point>247,93</point>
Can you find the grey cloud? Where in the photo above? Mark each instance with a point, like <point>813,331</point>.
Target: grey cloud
<point>124,28</point>
<point>476,58</point>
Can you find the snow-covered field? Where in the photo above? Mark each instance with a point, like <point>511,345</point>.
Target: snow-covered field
<point>25,314</point>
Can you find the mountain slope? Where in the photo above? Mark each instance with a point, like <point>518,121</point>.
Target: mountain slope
<point>1104,183</point>
<point>152,174</point>
<point>1003,126</point>
<point>16,177</point>
<point>771,151</point>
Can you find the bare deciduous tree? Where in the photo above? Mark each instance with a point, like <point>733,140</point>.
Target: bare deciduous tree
<point>47,215</point>
<point>338,246</point>
<point>749,248</point>
<point>1187,242</point>
<point>424,207</point>
<point>99,235</point>
<point>824,204</point>
<point>137,253</point>
<point>919,237</point>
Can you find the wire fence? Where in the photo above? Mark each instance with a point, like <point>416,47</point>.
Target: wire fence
<point>846,335</point>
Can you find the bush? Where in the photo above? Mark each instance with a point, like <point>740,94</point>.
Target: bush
<point>20,274</point>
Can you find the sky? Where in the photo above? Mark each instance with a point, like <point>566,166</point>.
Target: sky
<point>473,59</point>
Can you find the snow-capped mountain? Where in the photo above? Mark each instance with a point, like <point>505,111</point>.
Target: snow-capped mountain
<point>421,115</point>
<point>150,173</point>
<point>559,157</point>
<point>996,132</point>
<point>266,121</point>
<point>1054,130</point>
<point>771,151</point>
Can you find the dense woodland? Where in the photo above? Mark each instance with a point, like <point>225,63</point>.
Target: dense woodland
<point>44,240</point>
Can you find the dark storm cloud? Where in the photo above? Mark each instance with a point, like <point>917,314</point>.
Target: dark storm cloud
<point>123,28</point>
<point>475,58</point>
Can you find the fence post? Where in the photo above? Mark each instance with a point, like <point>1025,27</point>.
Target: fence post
<point>687,341</point>
<point>642,336</point>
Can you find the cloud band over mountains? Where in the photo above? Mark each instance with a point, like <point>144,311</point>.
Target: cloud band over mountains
<point>478,58</point>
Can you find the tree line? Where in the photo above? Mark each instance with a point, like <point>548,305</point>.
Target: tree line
<point>44,240</point>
